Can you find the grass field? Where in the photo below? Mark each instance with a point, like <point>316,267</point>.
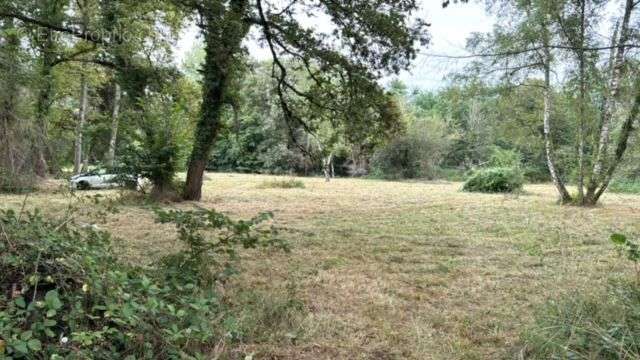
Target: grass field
<point>399,270</point>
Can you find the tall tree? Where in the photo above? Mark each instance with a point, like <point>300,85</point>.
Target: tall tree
<point>363,41</point>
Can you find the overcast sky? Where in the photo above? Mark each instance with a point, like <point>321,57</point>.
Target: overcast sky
<point>449,30</point>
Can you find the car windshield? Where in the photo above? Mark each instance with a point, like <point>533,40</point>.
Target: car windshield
<point>94,172</point>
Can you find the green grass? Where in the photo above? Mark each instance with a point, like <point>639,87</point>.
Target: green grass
<point>396,270</point>
<point>596,325</point>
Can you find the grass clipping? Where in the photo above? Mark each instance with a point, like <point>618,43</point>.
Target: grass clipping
<point>282,184</point>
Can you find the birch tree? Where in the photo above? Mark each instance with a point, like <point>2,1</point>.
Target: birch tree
<point>535,41</point>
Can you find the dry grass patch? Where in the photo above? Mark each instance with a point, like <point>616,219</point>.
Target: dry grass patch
<point>397,270</point>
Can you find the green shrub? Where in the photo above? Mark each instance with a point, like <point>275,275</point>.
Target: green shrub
<point>495,180</point>
<point>505,158</point>
<point>15,183</point>
<point>282,184</point>
<point>450,174</point>
<point>65,295</point>
<point>625,186</point>
<point>158,150</point>
<point>416,154</point>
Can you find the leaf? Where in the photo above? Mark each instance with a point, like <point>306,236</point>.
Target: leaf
<point>53,300</point>
<point>35,345</point>
<point>26,335</point>
<point>619,239</point>
<point>21,347</point>
<point>21,303</point>
<point>51,313</point>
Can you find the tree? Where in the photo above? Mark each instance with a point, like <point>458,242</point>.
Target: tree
<point>369,39</point>
<point>536,39</point>
<point>117,38</point>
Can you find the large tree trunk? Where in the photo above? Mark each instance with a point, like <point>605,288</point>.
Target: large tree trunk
<point>51,12</point>
<point>84,89</point>
<point>111,152</point>
<point>9,44</point>
<point>564,196</point>
<point>609,106</point>
<point>215,84</point>
<point>43,105</point>
<point>223,34</point>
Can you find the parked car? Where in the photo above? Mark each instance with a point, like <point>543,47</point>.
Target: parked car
<point>101,179</point>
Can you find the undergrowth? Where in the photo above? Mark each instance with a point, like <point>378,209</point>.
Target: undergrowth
<point>65,294</point>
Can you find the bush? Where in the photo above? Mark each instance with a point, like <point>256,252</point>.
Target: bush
<point>65,295</point>
<point>15,183</point>
<point>624,186</point>
<point>158,150</point>
<point>495,180</point>
<point>505,158</point>
<point>282,184</point>
<point>416,154</point>
<point>450,174</point>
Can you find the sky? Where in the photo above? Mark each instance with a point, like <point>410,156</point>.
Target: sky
<point>449,30</point>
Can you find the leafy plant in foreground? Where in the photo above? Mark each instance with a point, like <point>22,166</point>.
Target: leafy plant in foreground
<point>211,241</point>
<point>628,249</point>
<point>64,294</point>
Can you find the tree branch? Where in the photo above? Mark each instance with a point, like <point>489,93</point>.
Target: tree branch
<point>89,36</point>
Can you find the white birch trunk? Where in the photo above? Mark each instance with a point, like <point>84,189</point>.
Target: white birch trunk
<point>564,195</point>
<point>327,168</point>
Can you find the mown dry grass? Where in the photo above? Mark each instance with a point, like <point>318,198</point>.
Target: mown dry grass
<point>403,270</point>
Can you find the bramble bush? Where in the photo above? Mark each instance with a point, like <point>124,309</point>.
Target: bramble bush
<point>64,294</point>
<point>495,180</point>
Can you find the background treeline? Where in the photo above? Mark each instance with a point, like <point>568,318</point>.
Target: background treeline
<point>441,134</point>
<point>72,98</point>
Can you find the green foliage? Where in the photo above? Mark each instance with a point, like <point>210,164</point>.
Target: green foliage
<point>65,295</point>
<point>415,154</point>
<point>505,158</point>
<point>282,184</point>
<point>628,249</point>
<point>495,180</point>
<point>625,186</point>
<point>157,150</point>
<point>16,183</point>
<point>211,241</point>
